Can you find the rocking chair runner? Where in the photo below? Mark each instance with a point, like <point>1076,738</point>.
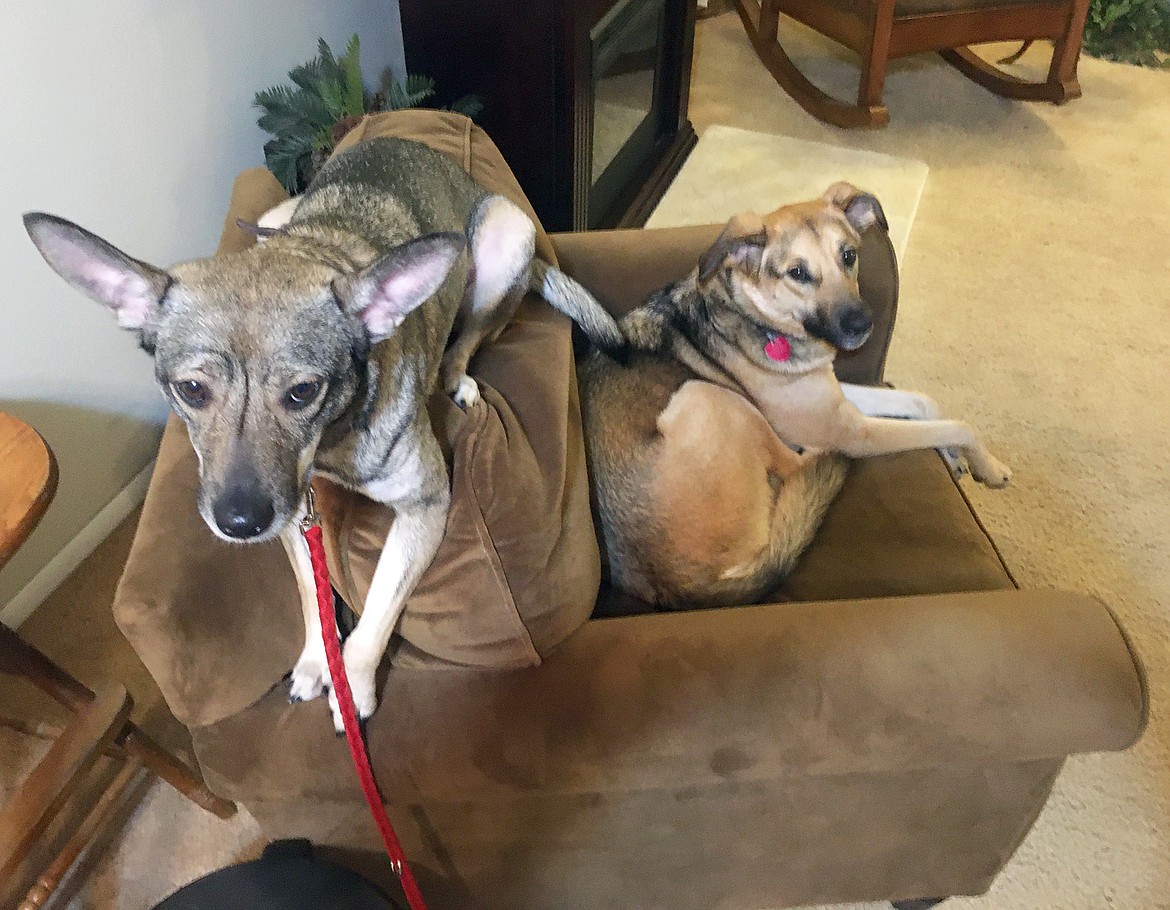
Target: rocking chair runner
<point>881,30</point>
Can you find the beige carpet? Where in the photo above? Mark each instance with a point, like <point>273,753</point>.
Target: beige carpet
<point>733,170</point>
<point>1034,302</point>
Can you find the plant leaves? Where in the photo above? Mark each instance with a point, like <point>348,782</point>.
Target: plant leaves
<point>469,106</point>
<point>354,94</point>
<point>326,89</point>
<point>1129,31</point>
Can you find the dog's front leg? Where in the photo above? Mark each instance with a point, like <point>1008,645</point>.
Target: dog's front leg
<point>414,538</point>
<point>310,675</point>
<point>876,401</point>
<point>867,436</point>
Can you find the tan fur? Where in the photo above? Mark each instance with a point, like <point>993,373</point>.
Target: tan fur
<point>702,496</point>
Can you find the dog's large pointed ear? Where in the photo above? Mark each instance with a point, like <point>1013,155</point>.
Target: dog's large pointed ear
<point>132,289</point>
<point>741,243</point>
<point>862,210</point>
<point>383,294</point>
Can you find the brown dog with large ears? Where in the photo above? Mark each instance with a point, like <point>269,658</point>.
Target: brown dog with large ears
<point>714,452</point>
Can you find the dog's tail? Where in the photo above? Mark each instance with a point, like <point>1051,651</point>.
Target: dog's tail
<point>801,506</point>
<point>569,297</point>
<point>797,513</point>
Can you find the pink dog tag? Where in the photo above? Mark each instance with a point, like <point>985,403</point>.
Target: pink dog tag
<point>778,348</point>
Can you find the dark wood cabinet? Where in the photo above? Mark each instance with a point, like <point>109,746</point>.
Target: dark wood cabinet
<point>586,99</point>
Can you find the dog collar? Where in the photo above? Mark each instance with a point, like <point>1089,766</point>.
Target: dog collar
<point>778,348</point>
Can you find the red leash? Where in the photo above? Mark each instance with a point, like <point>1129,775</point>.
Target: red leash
<point>353,733</point>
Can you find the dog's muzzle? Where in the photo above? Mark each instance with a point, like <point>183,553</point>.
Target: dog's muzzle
<point>845,327</point>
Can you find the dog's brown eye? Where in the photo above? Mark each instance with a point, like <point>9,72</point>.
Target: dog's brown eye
<point>800,273</point>
<point>192,392</point>
<point>849,257</point>
<point>302,395</point>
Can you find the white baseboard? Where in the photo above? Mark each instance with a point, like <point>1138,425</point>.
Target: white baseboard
<point>61,566</point>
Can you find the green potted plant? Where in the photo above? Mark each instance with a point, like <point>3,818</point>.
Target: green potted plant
<point>1131,31</point>
<point>327,99</point>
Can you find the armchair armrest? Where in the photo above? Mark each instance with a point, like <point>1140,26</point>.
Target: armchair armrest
<point>822,688</point>
<point>677,700</point>
<point>623,267</point>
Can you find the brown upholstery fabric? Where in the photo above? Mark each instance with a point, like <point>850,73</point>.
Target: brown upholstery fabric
<point>885,499</point>
<point>733,845</point>
<point>773,689</point>
<point>701,730</point>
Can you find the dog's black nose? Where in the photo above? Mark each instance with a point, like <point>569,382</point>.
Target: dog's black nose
<point>853,326</point>
<point>243,514</point>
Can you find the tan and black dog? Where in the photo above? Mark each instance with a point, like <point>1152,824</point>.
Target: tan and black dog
<point>712,450</point>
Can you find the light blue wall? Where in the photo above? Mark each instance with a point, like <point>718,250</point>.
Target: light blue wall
<point>130,117</point>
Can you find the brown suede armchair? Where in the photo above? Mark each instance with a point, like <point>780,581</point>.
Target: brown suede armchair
<point>888,728</point>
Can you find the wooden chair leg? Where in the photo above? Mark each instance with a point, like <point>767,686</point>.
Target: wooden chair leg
<point>175,772</point>
<point>1060,86</point>
<point>93,823</point>
<point>761,22</point>
<point>1062,73</point>
<point>22,659</point>
<point>876,58</point>
<point>58,774</point>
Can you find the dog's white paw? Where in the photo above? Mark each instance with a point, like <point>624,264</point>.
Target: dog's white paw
<point>994,473</point>
<point>310,677</point>
<point>360,672</point>
<point>466,392</point>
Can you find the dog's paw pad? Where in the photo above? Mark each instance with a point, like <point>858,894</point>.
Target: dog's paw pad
<point>309,678</point>
<point>466,392</point>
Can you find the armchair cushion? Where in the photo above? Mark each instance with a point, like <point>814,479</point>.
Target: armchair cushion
<point>931,540</point>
